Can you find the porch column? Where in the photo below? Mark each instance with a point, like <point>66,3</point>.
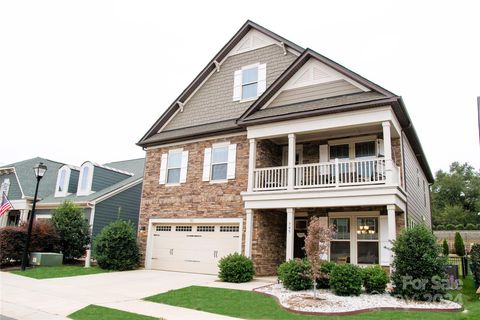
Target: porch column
<point>291,161</point>
<point>387,145</point>
<point>3,220</point>
<point>252,156</point>
<point>290,231</point>
<point>392,226</point>
<point>24,215</point>
<point>248,233</point>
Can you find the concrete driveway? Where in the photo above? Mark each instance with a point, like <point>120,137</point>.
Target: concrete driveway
<point>26,298</point>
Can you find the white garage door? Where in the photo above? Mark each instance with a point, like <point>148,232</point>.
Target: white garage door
<point>193,247</point>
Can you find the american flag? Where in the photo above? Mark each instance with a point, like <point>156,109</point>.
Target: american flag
<point>5,205</point>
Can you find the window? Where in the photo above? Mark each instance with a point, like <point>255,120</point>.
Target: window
<point>340,151</point>
<point>367,241</point>
<point>206,229</point>
<point>340,244</point>
<point>5,187</point>
<point>250,83</point>
<point>229,228</point>
<point>85,174</point>
<point>183,228</point>
<point>163,228</point>
<point>174,166</point>
<point>219,163</point>
<point>61,181</point>
<point>365,149</point>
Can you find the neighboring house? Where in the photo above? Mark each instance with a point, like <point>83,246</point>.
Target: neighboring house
<point>105,192</point>
<point>268,135</point>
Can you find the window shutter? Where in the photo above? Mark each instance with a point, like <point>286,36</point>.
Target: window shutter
<point>163,168</point>
<point>232,156</point>
<point>262,78</point>
<point>237,85</point>
<point>207,160</point>
<point>380,148</point>
<point>385,252</point>
<point>183,170</point>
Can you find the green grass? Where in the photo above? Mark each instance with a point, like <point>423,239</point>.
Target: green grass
<point>93,312</point>
<point>58,272</point>
<point>251,305</point>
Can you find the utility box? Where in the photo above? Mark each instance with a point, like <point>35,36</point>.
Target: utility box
<point>46,259</point>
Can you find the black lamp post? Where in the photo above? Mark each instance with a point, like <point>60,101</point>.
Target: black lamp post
<point>39,170</point>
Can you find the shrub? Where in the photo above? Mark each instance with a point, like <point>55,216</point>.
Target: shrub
<point>295,274</point>
<point>416,261</point>
<point>115,247</point>
<point>73,229</point>
<point>440,227</point>
<point>459,227</point>
<point>346,279</point>
<point>12,241</point>
<point>475,263</point>
<point>478,226</point>
<point>445,247</point>
<point>375,279</point>
<point>236,268</point>
<point>459,245</point>
<point>450,226</point>
<point>470,226</point>
<point>325,269</point>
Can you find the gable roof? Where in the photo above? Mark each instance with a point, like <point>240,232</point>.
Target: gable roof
<point>149,138</point>
<point>249,115</point>
<point>27,180</point>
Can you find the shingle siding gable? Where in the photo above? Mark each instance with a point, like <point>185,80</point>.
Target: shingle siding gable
<point>213,101</point>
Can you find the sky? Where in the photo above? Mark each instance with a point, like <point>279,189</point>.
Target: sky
<point>84,80</point>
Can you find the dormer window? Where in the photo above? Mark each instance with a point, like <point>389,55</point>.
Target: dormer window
<point>249,82</point>
<point>85,179</point>
<point>63,179</point>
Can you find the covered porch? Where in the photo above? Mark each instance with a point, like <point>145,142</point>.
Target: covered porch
<point>362,234</point>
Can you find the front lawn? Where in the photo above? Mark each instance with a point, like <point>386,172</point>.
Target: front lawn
<point>251,305</point>
<point>93,312</point>
<point>58,272</point>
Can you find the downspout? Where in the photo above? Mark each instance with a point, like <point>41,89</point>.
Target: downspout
<point>405,175</point>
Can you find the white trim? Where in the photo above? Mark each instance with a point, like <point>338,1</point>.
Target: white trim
<point>253,40</point>
<point>196,140</point>
<point>248,232</point>
<point>152,221</point>
<point>68,172</point>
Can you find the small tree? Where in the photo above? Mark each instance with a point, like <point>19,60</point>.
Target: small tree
<point>317,244</point>
<point>73,228</point>
<point>115,247</point>
<point>418,267</point>
<point>459,245</point>
<point>445,248</point>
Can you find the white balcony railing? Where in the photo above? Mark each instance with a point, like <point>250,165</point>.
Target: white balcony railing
<point>275,178</point>
<point>321,175</point>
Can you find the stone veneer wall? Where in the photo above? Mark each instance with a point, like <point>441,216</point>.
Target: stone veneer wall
<point>195,198</point>
<point>269,241</point>
<point>269,154</point>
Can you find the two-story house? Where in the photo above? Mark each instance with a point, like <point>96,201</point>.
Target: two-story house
<point>268,135</point>
<point>105,192</point>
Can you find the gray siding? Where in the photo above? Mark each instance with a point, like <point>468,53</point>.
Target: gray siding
<point>103,178</point>
<point>418,199</point>
<point>127,202</point>
<point>314,92</point>
<point>14,192</point>
<point>73,183</point>
<point>213,100</point>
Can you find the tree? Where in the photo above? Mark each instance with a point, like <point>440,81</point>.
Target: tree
<point>445,248</point>
<point>456,195</point>
<point>459,245</point>
<point>418,268</point>
<point>115,247</point>
<point>317,244</point>
<point>73,228</point>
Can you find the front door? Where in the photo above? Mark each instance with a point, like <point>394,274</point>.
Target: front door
<point>299,237</point>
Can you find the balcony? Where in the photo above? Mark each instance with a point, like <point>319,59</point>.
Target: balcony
<point>335,174</point>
